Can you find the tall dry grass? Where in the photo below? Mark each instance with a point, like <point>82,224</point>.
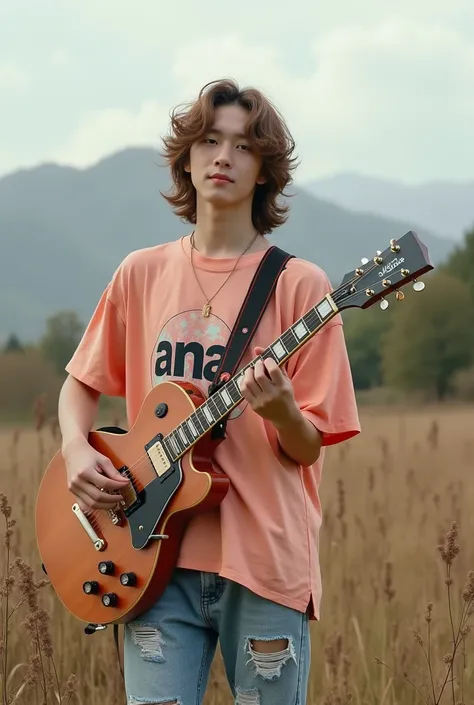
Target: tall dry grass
<point>396,552</point>
<point>24,377</point>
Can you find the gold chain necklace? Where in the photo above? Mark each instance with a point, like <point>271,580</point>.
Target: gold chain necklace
<point>207,308</point>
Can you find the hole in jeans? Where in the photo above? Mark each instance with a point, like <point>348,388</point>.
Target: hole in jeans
<point>150,642</point>
<point>247,697</point>
<point>137,701</point>
<point>268,656</point>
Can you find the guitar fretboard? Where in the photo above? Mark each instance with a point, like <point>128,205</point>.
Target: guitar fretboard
<point>229,396</point>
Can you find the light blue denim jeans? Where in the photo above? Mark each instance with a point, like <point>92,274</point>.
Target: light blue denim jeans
<point>168,651</point>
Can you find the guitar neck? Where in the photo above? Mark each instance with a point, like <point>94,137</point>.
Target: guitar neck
<point>227,397</point>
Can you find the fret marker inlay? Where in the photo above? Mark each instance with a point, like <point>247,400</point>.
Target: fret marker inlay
<point>279,350</point>
<point>226,397</point>
<point>300,330</point>
<point>324,308</point>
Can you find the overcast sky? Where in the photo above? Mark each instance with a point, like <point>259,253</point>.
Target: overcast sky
<point>380,87</point>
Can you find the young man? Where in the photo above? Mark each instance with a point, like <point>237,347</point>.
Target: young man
<point>248,573</point>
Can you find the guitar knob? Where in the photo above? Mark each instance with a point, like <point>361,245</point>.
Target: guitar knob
<point>128,579</point>
<point>109,599</point>
<point>384,304</point>
<point>418,286</point>
<point>106,567</point>
<point>91,587</point>
<point>161,410</point>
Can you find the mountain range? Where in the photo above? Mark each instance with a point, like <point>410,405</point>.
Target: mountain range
<point>442,207</point>
<point>64,230</point>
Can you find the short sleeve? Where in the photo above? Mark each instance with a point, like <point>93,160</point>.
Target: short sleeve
<point>320,371</point>
<point>99,359</point>
<point>322,382</point>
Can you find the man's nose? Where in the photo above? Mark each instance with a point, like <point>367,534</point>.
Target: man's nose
<point>223,157</point>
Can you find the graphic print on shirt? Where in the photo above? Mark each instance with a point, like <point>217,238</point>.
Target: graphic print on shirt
<point>189,348</point>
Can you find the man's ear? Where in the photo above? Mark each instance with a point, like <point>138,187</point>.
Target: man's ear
<point>187,167</point>
<point>261,180</point>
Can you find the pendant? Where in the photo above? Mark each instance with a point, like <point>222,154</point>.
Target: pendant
<point>206,310</point>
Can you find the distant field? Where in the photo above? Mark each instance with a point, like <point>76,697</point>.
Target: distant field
<point>390,496</point>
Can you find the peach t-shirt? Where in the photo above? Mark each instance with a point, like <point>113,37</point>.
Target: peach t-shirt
<point>148,328</point>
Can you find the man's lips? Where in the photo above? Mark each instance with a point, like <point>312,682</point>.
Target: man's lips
<point>220,177</point>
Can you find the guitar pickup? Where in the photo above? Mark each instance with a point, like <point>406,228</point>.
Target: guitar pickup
<point>157,455</point>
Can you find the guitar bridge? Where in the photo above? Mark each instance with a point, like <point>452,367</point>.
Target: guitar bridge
<point>114,516</point>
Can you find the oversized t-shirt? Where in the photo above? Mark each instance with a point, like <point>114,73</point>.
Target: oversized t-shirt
<point>148,327</point>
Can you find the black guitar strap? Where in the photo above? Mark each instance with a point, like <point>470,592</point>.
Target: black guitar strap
<point>259,294</point>
<point>256,300</point>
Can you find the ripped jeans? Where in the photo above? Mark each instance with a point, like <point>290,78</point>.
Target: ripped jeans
<point>168,651</point>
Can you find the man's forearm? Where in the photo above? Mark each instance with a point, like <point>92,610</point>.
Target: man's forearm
<point>77,410</point>
<point>299,438</point>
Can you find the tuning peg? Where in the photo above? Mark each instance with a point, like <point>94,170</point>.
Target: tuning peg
<point>418,286</point>
<point>394,246</point>
<point>364,260</point>
<point>379,252</point>
<point>384,304</point>
<point>399,295</point>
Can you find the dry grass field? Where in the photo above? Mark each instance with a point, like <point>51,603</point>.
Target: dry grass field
<point>390,496</point>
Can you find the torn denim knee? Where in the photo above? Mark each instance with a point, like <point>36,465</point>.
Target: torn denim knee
<point>268,665</point>
<point>139,701</point>
<point>247,697</point>
<point>149,640</point>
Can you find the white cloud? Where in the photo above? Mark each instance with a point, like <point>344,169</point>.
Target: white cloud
<point>395,99</point>
<point>195,63</point>
<point>106,131</point>
<point>13,77</point>
<point>60,59</point>
<point>146,23</point>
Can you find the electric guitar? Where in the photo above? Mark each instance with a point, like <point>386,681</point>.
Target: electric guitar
<point>109,566</point>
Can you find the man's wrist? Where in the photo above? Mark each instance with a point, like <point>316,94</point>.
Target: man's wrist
<point>70,445</point>
<point>299,438</point>
<point>293,419</point>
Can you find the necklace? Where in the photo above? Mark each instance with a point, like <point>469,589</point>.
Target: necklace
<point>207,308</point>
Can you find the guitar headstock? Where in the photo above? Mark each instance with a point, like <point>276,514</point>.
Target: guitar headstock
<point>403,261</point>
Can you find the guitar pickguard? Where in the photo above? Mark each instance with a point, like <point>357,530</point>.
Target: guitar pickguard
<point>152,502</point>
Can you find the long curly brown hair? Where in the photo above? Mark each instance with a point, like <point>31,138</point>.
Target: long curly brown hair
<point>268,133</point>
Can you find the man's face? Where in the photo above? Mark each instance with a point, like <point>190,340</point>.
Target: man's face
<point>223,165</point>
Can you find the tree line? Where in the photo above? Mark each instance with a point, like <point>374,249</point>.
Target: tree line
<point>424,344</point>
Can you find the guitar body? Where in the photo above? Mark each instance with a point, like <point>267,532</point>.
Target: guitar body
<point>72,543</point>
